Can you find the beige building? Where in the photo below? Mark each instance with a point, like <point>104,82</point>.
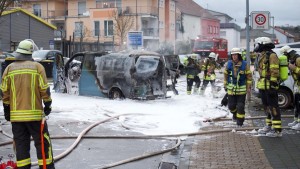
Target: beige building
<point>95,21</point>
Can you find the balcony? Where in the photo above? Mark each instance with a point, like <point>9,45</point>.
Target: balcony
<point>150,33</point>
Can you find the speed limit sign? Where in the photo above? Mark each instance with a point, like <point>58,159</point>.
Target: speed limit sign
<point>260,19</point>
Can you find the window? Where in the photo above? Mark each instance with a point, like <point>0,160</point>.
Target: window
<point>81,8</point>
<point>37,11</point>
<point>108,28</point>
<point>161,3</point>
<point>161,24</point>
<point>108,3</point>
<point>78,29</point>
<point>97,28</point>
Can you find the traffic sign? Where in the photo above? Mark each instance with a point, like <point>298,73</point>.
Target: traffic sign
<point>260,19</point>
<point>135,39</point>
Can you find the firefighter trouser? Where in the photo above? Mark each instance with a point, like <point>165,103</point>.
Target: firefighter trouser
<point>205,83</point>
<point>269,99</point>
<point>297,106</point>
<point>22,132</point>
<point>236,105</point>
<point>190,82</point>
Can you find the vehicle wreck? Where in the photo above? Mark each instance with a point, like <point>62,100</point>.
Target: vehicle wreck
<point>133,75</point>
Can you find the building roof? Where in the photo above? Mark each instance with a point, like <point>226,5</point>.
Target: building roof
<point>284,32</point>
<point>30,14</point>
<point>192,8</point>
<point>216,13</point>
<point>254,33</point>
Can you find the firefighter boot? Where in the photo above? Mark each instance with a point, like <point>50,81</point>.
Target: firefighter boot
<point>195,90</point>
<point>264,130</point>
<point>274,133</point>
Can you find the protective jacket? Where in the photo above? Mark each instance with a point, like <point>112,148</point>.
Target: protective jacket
<point>296,72</point>
<point>268,68</point>
<point>208,67</point>
<point>25,98</point>
<point>237,77</point>
<point>192,68</point>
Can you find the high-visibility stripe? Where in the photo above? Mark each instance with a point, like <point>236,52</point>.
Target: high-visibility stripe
<point>238,115</point>
<point>49,160</point>
<point>32,92</point>
<point>13,89</point>
<point>274,66</point>
<point>268,121</point>
<point>22,163</point>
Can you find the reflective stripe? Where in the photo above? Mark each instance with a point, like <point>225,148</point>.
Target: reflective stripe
<point>49,160</point>
<point>26,115</point>
<point>268,121</point>
<point>22,163</point>
<point>241,116</point>
<point>272,66</point>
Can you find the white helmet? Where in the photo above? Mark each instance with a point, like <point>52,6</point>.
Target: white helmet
<point>26,46</point>
<point>235,51</point>
<point>285,49</point>
<point>212,55</point>
<point>263,40</point>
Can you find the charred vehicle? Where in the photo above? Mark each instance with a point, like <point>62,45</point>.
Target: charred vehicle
<point>134,75</point>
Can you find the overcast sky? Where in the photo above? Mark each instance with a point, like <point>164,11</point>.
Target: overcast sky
<point>285,12</point>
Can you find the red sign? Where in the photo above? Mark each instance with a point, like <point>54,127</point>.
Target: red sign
<point>260,19</point>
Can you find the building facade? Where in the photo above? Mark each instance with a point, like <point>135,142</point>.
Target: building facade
<point>94,21</point>
<point>18,24</point>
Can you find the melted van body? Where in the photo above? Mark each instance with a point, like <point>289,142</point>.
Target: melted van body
<point>134,75</point>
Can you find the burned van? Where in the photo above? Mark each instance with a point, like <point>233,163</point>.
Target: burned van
<point>134,75</point>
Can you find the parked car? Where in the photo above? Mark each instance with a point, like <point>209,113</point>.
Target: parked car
<point>134,75</point>
<point>46,58</point>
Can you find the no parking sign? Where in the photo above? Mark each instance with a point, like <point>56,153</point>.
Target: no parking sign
<point>260,19</point>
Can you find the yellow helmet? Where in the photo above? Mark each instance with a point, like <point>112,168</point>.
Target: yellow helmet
<point>26,46</point>
<point>235,51</point>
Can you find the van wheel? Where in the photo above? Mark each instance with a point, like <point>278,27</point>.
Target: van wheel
<point>116,93</point>
<point>284,98</point>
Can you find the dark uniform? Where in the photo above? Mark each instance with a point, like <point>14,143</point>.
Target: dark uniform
<point>192,69</point>
<point>237,79</point>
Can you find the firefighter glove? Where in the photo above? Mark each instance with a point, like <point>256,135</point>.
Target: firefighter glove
<point>47,108</point>
<point>6,108</point>
<point>273,85</point>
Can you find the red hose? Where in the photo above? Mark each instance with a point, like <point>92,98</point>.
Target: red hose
<point>42,143</point>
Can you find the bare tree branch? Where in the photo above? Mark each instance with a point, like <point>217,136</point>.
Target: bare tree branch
<point>4,4</point>
<point>122,25</point>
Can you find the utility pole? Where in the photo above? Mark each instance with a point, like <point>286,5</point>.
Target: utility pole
<point>247,33</point>
<point>136,16</point>
<point>273,35</point>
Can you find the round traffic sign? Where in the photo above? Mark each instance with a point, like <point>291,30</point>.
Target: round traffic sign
<point>260,19</point>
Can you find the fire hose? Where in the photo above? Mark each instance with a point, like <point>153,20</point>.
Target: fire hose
<point>82,135</point>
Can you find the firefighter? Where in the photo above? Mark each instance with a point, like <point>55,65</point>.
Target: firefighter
<point>268,84</point>
<point>252,57</point>
<point>237,82</point>
<point>25,90</point>
<point>192,69</point>
<point>244,56</point>
<point>208,67</point>
<point>294,67</point>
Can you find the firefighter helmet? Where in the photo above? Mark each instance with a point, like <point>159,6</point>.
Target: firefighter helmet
<point>235,51</point>
<point>285,49</point>
<point>212,55</point>
<point>194,56</point>
<point>263,43</point>
<point>26,46</point>
<point>263,40</point>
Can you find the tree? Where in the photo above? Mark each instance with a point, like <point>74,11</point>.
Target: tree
<point>4,4</point>
<point>122,25</point>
